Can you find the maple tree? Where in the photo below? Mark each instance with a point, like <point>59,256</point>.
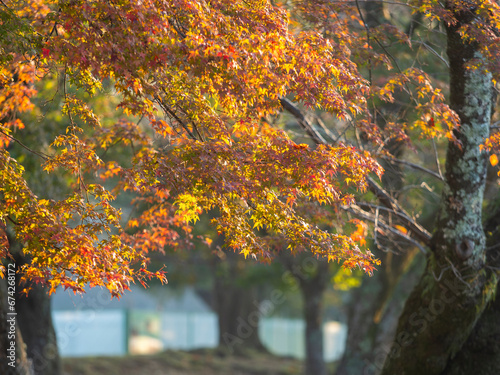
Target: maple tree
<point>200,84</point>
<point>202,75</point>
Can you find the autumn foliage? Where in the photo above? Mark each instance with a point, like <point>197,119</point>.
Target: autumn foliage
<point>199,83</point>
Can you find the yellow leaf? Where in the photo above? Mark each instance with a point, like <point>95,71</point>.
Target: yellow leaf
<point>493,159</point>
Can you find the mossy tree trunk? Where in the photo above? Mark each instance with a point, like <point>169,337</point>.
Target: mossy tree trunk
<point>456,287</point>
<point>480,355</point>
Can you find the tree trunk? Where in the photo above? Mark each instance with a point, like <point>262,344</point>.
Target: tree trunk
<point>13,358</point>
<point>312,291</point>
<point>35,322</point>
<point>312,275</point>
<point>455,288</point>
<point>237,307</point>
<point>373,313</point>
<point>481,353</point>
<point>36,342</point>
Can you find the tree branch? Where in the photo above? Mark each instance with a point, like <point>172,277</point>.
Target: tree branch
<point>388,201</point>
<point>357,211</point>
<point>414,166</point>
<point>385,198</point>
<point>303,122</point>
<point>42,155</point>
<point>174,115</point>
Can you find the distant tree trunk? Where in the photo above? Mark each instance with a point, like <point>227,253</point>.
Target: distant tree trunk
<point>374,310</point>
<point>237,307</point>
<point>312,275</point>
<point>455,289</point>
<point>312,291</point>
<point>375,306</point>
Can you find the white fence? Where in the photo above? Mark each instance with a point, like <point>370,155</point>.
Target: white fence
<point>89,332</point>
<point>285,337</point>
<point>109,332</point>
<point>189,331</point>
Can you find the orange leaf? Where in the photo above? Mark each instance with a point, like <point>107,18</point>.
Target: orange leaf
<point>401,229</point>
<point>493,159</point>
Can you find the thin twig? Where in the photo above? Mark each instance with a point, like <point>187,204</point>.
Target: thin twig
<point>433,51</point>
<point>375,1</point>
<point>177,118</point>
<point>495,125</point>
<point>342,133</point>
<point>457,273</point>
<point>438,278</point>
<point>437,159</point>
<point>367,29</point>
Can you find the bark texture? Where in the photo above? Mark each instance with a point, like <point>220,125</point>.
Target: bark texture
<point>455,288</point>
<point>481,353</point>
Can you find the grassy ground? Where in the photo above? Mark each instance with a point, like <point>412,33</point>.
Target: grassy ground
<point>200,362</point>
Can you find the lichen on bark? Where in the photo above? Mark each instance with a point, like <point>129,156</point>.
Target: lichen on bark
<point>456,287</point>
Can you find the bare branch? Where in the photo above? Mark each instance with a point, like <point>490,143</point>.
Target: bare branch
<point>357,211</point>
<point>327,131</point>
<point>174,115</point>
<point>388,201</point>
<point>403,218</point>
<point>303,122</point>
<point>414,166</point>
<point>423,234</point>
<point>377,1</point>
